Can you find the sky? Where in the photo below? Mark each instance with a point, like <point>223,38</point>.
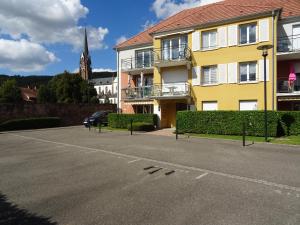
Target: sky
<point>42,37</point>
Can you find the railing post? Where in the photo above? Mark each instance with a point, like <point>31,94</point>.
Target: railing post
<point>131,121</point>
<point>177,124</point>
<point>244,133</point>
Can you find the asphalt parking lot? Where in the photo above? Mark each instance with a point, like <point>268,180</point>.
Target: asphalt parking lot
<point>75,177</point>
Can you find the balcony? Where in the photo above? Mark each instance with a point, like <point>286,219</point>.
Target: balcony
<point>288,47</point>
<point>173,56</point>
<point>136,65</point>
<point>171,91</point>
<point>137,93</point>
<point>283,88</point>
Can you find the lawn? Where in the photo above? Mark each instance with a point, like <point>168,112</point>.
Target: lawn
<point>291,140</point>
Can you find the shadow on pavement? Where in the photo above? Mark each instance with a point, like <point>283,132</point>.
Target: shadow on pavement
<point>11,214</point>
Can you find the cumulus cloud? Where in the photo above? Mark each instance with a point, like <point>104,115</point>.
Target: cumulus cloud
<point>121,39</point>
<point>148,24</point>
<point>103,70</point>
<point>166,8</point>
<point>48,22</point>
<point>24,56</point>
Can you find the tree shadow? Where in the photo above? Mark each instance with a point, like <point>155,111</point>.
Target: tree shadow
<point>11,214</point>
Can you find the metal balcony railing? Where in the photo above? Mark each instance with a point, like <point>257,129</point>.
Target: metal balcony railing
<point>137,93</point>
<point>283,86</point>
<point>137,63</point>
<point>176,53</point>
<point>289,44</point>
<point>171,90</point>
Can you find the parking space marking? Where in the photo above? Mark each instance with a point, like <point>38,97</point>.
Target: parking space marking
<point>236,177</point>
<point>201,176</point>
<point>133,161</point>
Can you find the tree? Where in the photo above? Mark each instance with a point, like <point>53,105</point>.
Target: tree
<point>10,92</point>
<point>45,94</point>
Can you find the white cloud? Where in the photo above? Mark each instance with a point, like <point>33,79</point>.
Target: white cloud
<point>166,8</point>
<point>24,56</point>
<point>148,24</point>
<point>48,22</point>
<point>121,39</point>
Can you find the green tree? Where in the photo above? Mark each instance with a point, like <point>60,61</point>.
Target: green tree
<point>45,94</point>
<point>10,92</point>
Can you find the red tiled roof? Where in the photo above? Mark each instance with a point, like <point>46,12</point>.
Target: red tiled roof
<point>28,94</point>
<point>215,12</point>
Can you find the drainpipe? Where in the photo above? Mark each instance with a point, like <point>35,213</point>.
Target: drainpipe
<point>274,76</point>
<point>118,75</point>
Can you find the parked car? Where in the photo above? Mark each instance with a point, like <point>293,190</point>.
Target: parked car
<point>95,119</point>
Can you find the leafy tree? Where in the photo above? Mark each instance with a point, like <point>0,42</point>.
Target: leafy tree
<point>10,92</point>
<point>45,94</point>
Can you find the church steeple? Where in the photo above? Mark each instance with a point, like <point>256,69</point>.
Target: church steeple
<point>85,69</point>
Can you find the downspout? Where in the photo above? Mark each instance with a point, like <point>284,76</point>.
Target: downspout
<point>274,91</point>
<point>118,77</point>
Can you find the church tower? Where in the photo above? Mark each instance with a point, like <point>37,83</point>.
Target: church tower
<point>85,70</point>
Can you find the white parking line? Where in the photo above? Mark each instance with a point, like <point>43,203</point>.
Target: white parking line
<point>133,161</point>
<point>236,177</point>
<point>201,176</point>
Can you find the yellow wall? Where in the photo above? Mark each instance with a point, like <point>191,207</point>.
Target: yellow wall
<point>229,95</point>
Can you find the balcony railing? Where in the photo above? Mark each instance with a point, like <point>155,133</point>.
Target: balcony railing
<point>289,44</point>
<point>137,93</point>
<point>137,63</point>
<point>171,90</point>
<point>283,87</point>
<point>176,53</point>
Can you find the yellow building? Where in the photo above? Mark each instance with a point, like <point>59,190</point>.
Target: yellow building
<point>206,58</point>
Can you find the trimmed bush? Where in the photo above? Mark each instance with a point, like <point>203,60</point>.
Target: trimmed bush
<point>290,122</point>
<point>30,123</point>
<point>141,126</point>
<point>123,120</point>
<point>227,122</point>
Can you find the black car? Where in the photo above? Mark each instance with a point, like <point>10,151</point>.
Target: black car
<point>95,119</point>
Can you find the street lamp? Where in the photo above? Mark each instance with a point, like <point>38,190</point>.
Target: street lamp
<point>264,49</point>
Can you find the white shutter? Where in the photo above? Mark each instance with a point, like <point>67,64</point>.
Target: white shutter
<point>222,73</point>
<point>209,106</point>
<point>196,41</point>
<point>196,75</point>
<point>261,70</point>
<point>232,73</point>
<point>222,36</point>
<point>264,31</point>
<point>232,35</point>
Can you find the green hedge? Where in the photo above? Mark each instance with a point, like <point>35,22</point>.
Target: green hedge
<point>141,126</point>
<point>290,122</point>
<point>30,123</point>
<point>227,122</point>
<point>122,120</point>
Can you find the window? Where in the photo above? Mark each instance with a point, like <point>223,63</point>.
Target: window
<point>144,58</point>
<point>248,71</point>
<point>209,106</point>
<point>174,48</point>
<point>247,33</point>
<point>248,105</point>
<point>209,40</point>
<point>209,75</point>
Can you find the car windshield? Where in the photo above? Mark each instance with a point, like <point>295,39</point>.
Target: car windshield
<point>96,114</point>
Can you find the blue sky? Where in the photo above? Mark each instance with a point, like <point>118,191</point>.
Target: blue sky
<point>45,37</point>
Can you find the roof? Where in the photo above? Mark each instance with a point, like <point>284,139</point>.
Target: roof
<point>28,94</point>
<point>213,13</point>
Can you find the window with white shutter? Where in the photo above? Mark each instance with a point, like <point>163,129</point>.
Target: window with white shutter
<point>209,75</point>
<point>222,37</point>
<point>232,73</point>
<point>222,73</point>
<point>195,41</point>
<point>247,33</point>
<point>261,70</point>
<point>232,35</point>
<point>248,72</point>
<point>196,74</point>
<point>209,40</point>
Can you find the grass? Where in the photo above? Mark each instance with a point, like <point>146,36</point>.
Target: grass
<point>291,140</point>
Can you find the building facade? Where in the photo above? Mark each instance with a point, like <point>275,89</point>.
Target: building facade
<point>206,58</point>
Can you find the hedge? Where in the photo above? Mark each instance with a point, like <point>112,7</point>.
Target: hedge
<point>122,120</point>
<point>231,122</point>
<point>290,122</point>
<point>141,126</point>
<point>30,123</point>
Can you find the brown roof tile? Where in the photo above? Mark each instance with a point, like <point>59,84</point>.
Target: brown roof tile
<point>215,12</point>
